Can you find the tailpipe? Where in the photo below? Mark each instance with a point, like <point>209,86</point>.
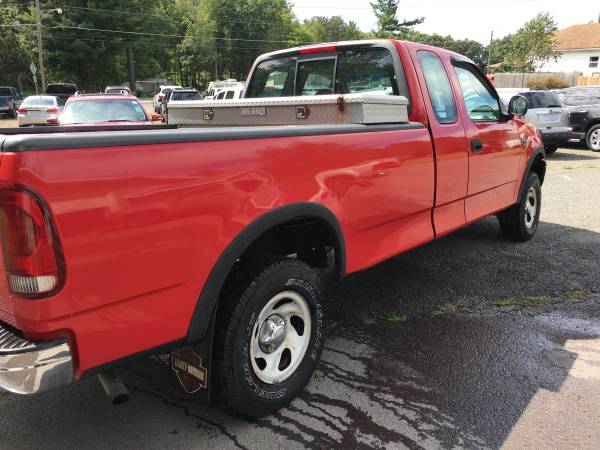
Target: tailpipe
<point>114,388</point>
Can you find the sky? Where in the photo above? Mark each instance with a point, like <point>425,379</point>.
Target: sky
<point>462,19</point>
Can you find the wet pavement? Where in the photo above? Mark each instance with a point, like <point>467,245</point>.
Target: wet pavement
<point>467,342</point>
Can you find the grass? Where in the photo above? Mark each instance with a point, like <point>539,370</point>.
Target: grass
<point>369,322</point>
<point>568,167</point>
<point>398,317</point>
<point>510,301</point>
<point>578,295</point>
<point>540,300</point>
<point>446,308</point>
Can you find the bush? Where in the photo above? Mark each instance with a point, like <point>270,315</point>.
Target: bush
<point>547,82</point>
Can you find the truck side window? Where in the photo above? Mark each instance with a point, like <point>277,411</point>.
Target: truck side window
<point>366,70</point>
<point>481,105</point>
<point>273,78</point>
<point>315,77</point>
<point>229,95</point>
<point>438,85</point>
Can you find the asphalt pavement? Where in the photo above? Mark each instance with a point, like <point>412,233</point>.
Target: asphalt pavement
<point>467,342</point>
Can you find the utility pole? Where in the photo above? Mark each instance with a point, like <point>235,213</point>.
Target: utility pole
<point>490,53</point>
<point>131,69</point>
<point>38,18</point>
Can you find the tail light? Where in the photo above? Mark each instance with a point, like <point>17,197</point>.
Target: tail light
<point>32,255</point>
<point>52,110</point>
<point>22,111</point>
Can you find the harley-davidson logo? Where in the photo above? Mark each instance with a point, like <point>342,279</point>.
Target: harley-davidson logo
<point>187,365</point>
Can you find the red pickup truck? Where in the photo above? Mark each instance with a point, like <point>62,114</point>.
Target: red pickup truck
<point>213,243</point>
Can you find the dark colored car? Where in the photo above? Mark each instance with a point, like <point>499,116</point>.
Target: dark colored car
<point>584,106</point>
<point>62,90</point>
<point>10,99</point>
<point>178,95</point>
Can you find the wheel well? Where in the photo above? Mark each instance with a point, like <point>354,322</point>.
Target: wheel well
<point>539,167</point>
<point>308,239</point>
<point>592,123</point>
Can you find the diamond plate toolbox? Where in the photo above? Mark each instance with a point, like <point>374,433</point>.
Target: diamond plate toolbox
<point>360,108</point>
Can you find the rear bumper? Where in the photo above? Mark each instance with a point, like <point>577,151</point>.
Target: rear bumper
<point>28,368</point>
<point>36,120</point>
<point>556,135</point>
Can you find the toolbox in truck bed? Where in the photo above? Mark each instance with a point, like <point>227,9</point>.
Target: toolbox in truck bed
<point>357,108</point>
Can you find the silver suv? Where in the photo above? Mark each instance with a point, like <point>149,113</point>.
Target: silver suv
<point>546,112</point>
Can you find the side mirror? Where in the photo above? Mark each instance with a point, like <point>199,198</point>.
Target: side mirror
<point>156,117</point>
<point>517,106</point>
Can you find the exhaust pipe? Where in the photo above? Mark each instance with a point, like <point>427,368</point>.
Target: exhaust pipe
<point>114,388</point>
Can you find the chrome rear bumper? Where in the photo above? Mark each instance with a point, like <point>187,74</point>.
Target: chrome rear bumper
<point>28,368</point>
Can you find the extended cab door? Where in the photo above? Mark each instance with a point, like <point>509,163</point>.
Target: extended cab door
<point>448,134</point>
<point>494,143</point>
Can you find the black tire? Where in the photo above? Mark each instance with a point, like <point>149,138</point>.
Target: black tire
<point>236,384</point>
<point>592,138</point>
<point>550,149</point>
<point>516,222</point>
<point>13,112</point>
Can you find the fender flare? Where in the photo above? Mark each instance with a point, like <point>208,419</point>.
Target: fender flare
<point>204,313</point>
<point>538,151</point>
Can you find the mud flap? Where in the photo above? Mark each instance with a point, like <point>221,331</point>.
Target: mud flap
<point>191,367</point>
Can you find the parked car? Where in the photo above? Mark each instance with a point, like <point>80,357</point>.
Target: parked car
<point>62,90</point>
<point>547,113</point>
<point>230,93</point>
<point>216,87</point>
<point>178,95</point>
<point>210,242</point>
<point>584,107</point>
<point>103,109</point>
<point>117,90</point>
<point>10,100</point>
<point>40,110</point>
<point>161,95</point>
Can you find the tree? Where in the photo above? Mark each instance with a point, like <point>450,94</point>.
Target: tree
<point>470,49</point>
<point>325,29</point>
<point>388,24</point>
<point>17,47</point>
<point>533,44</point>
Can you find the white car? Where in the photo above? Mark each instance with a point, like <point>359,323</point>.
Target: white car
<point>161,95</point>
<point>40,110</point>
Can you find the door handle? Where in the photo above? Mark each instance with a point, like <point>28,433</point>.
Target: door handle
<point>476,145</point>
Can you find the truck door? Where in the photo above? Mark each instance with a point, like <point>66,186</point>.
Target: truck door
<point>448,134</point>
<point>494,143</point>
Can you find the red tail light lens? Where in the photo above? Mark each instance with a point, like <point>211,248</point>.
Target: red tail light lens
<point>52,110</point>
<point>32,256</point>
<point>22,111</point>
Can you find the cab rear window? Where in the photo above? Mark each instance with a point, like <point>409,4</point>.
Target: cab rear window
<point>351,70</point>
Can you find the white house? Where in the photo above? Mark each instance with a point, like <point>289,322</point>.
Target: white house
<point>579,48</point>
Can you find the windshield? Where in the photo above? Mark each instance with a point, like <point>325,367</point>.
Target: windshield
<point>186,96</point>
<point>541,100</point>
<point>90,111</point>
<point>38,101</point>
<point>61,89</point>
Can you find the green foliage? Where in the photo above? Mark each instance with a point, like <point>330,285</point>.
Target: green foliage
<point>17,47</point>
<point>388,25</point>
<point>547,82</point>
<point>326,29</point>
<point>471,49</point>
<point>533,44</point>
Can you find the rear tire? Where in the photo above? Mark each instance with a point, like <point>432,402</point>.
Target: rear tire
<point>550,149</point>
<point>592,138</point>
<point>269,336</point>
<point>520,221</point>
<point>13,112</point>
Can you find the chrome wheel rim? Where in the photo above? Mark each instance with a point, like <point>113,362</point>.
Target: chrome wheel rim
<point>595,139</point>
<point>280,337</point>
<point>531,202</point>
